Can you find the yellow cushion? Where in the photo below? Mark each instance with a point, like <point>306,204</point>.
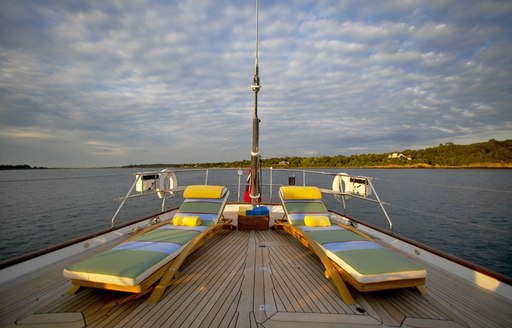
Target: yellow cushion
<point>296,192</point>
<point>317,221</point>
<point>177,220</point>
<point>242,210</point>
<point>203,191</point>
<point>189,221</point>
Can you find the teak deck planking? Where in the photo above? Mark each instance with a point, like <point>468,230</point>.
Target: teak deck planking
<point>249,279</point>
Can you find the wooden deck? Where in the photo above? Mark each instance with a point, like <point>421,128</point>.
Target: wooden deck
<point>250,279</point>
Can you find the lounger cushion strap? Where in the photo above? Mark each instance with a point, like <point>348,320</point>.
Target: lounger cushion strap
<point>161,247</point>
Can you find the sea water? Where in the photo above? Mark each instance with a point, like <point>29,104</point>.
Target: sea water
<point>467,213</point>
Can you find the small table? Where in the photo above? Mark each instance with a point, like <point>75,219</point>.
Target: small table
<point>253,222</point>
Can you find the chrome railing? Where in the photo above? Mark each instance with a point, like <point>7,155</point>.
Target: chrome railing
<point>274,178</point>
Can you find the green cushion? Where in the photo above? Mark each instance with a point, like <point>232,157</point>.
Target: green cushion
<point>200,207</point>
<point>376,261</point>
<point>206,223</point>
<point>305,207</point>
<point>331,236</point>
<point>121,263</point>
<point>170,236</point>
<point>297,222</point>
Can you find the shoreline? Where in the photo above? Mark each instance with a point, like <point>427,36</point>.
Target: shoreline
<point>489,166</point>
<point>427,166</point>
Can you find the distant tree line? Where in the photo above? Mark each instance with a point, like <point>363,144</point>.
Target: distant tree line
<point>492,153</point>
<point>19,167</point>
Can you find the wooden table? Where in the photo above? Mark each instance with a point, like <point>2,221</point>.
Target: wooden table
<point>253,222</point>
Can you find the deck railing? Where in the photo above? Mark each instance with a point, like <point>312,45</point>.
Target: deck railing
<point>271,180</point>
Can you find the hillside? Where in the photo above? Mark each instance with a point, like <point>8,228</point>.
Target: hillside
<point>490,154</point>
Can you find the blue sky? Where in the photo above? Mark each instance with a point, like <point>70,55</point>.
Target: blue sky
<point>101,83</point>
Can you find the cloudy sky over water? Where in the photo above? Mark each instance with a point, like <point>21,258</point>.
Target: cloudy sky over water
<point>100,83</point>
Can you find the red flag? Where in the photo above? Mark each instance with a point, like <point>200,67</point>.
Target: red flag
<point>248,189</point>
<point>247,193</point>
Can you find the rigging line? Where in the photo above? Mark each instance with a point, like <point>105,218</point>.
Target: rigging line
<point>448,186</point>
<point>64,178</point>
<point>450,219</point>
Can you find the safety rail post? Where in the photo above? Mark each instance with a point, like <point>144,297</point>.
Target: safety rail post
<point>271,185</point>
<point>163,203</point>
<point>381,205</point>
<point>240,172</point>
<point>113,221</point>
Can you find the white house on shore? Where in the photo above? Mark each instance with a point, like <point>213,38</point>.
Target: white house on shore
<point>399,156</point>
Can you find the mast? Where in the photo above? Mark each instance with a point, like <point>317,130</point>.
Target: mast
<point>255,153</point>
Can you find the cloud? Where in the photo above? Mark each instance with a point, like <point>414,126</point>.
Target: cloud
<point>107,83</point>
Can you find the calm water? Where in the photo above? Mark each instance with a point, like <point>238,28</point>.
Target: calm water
<point>467,213</point>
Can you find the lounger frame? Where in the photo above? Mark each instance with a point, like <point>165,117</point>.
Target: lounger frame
<point>165,275</point>
<point>336,273</point>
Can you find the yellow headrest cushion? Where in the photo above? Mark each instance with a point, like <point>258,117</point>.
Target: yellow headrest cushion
<point>297,192</point>
<point>317,221</point>
<point>189,221</point>
<point>203,191</point>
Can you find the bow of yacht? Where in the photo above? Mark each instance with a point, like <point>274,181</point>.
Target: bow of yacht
<point>212,261</point>
<point>250,273</point>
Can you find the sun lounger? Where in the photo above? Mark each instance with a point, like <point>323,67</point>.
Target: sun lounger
<point>156,253</point>
<point>363,263</point>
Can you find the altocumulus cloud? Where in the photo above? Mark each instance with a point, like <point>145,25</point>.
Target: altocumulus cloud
<point>100,83</point>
